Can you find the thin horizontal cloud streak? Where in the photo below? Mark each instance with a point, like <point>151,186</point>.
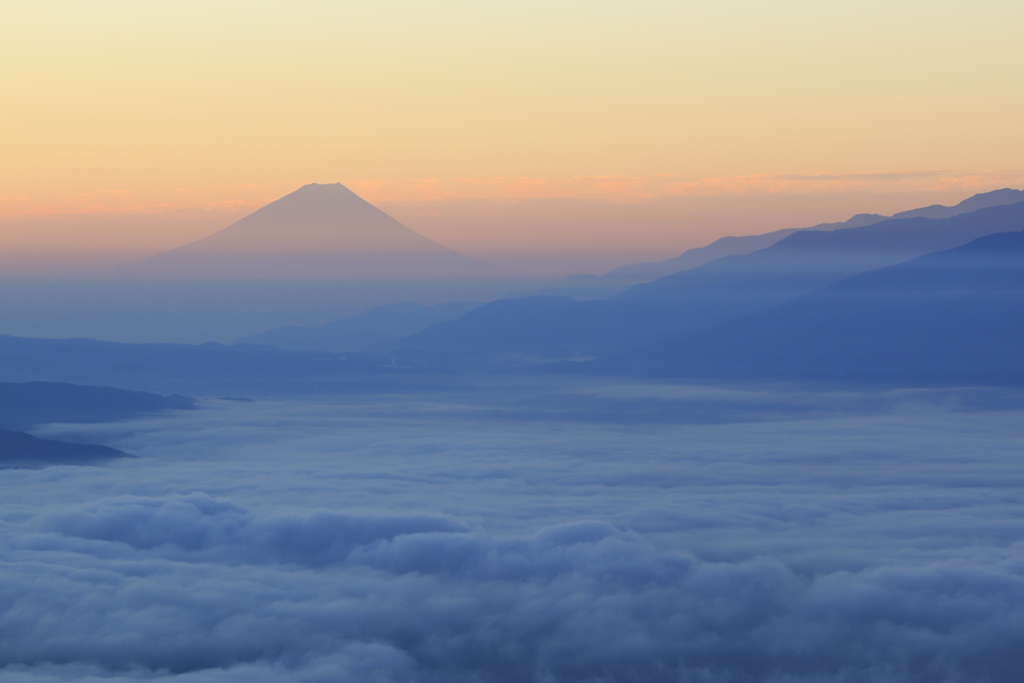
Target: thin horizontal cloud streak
<point>243,197</point>
<point>627,188</point>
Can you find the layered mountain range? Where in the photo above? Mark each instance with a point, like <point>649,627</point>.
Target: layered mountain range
<point>955,316</point>
<point>546,327</point>
<point>373,328</point>
<point>739,246</point>
<point>915,298</point>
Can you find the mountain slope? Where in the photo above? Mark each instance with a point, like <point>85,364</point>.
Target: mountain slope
<point>318,231</point>
<point>21,450</point>
<point>955,316</point>
<point>727,246</point>
<point>539,327</point>
<point>376,326</point>
<point>820,258</point>
<point>739,246</point>
<point>983,200</point>
<point>32,403</point>
<point>695,299</point>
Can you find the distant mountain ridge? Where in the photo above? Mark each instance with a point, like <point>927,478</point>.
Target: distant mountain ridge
<point>955,316</point>
<point>317,231</point>
<point>727,246</point>
<point>739,246</point>
<point>27,404</point>
<point>30,403</point>
<point>21,450</point>
<point>204,369</point>
<point>691,300</point>
<point>374,327</point>
<point>835,254</point>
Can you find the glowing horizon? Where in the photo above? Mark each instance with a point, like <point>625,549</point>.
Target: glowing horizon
<point>210,111</point>
<point>247,197</point>
<point>507,217</point>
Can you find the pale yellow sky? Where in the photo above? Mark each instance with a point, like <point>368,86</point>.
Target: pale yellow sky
<point>219,106</point>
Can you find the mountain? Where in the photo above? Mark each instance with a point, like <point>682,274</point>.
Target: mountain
<point>731,287</point>
<point>371,328</point>
<point>727,246</point>
<point>955,316</point>
<point>316,232</point>
<point>811,259</point>
<point>587,287</point>
<point>21,450</point>
<point>31,403</point>
<point>739,246</point>
<point>982,200</point>
<point>535,328</point>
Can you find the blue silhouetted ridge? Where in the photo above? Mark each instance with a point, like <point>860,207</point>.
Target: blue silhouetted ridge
<point>698,299</point>
<point>952,317</point>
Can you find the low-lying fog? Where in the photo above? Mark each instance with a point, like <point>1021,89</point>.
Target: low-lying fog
<point>519,532</point>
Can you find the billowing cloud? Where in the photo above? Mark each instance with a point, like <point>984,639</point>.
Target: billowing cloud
<point>468,538</point>
<point>195,588</point>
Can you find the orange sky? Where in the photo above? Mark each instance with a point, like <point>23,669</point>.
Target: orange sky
<point>502,126</point>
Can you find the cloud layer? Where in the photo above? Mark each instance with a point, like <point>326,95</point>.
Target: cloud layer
<point>366,539</point>
<point>195,588</point>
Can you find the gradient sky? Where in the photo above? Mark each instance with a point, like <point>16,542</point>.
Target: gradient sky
<point>142,107</point>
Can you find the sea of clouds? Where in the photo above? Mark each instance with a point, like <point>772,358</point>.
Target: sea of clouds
<point>614,533</point>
